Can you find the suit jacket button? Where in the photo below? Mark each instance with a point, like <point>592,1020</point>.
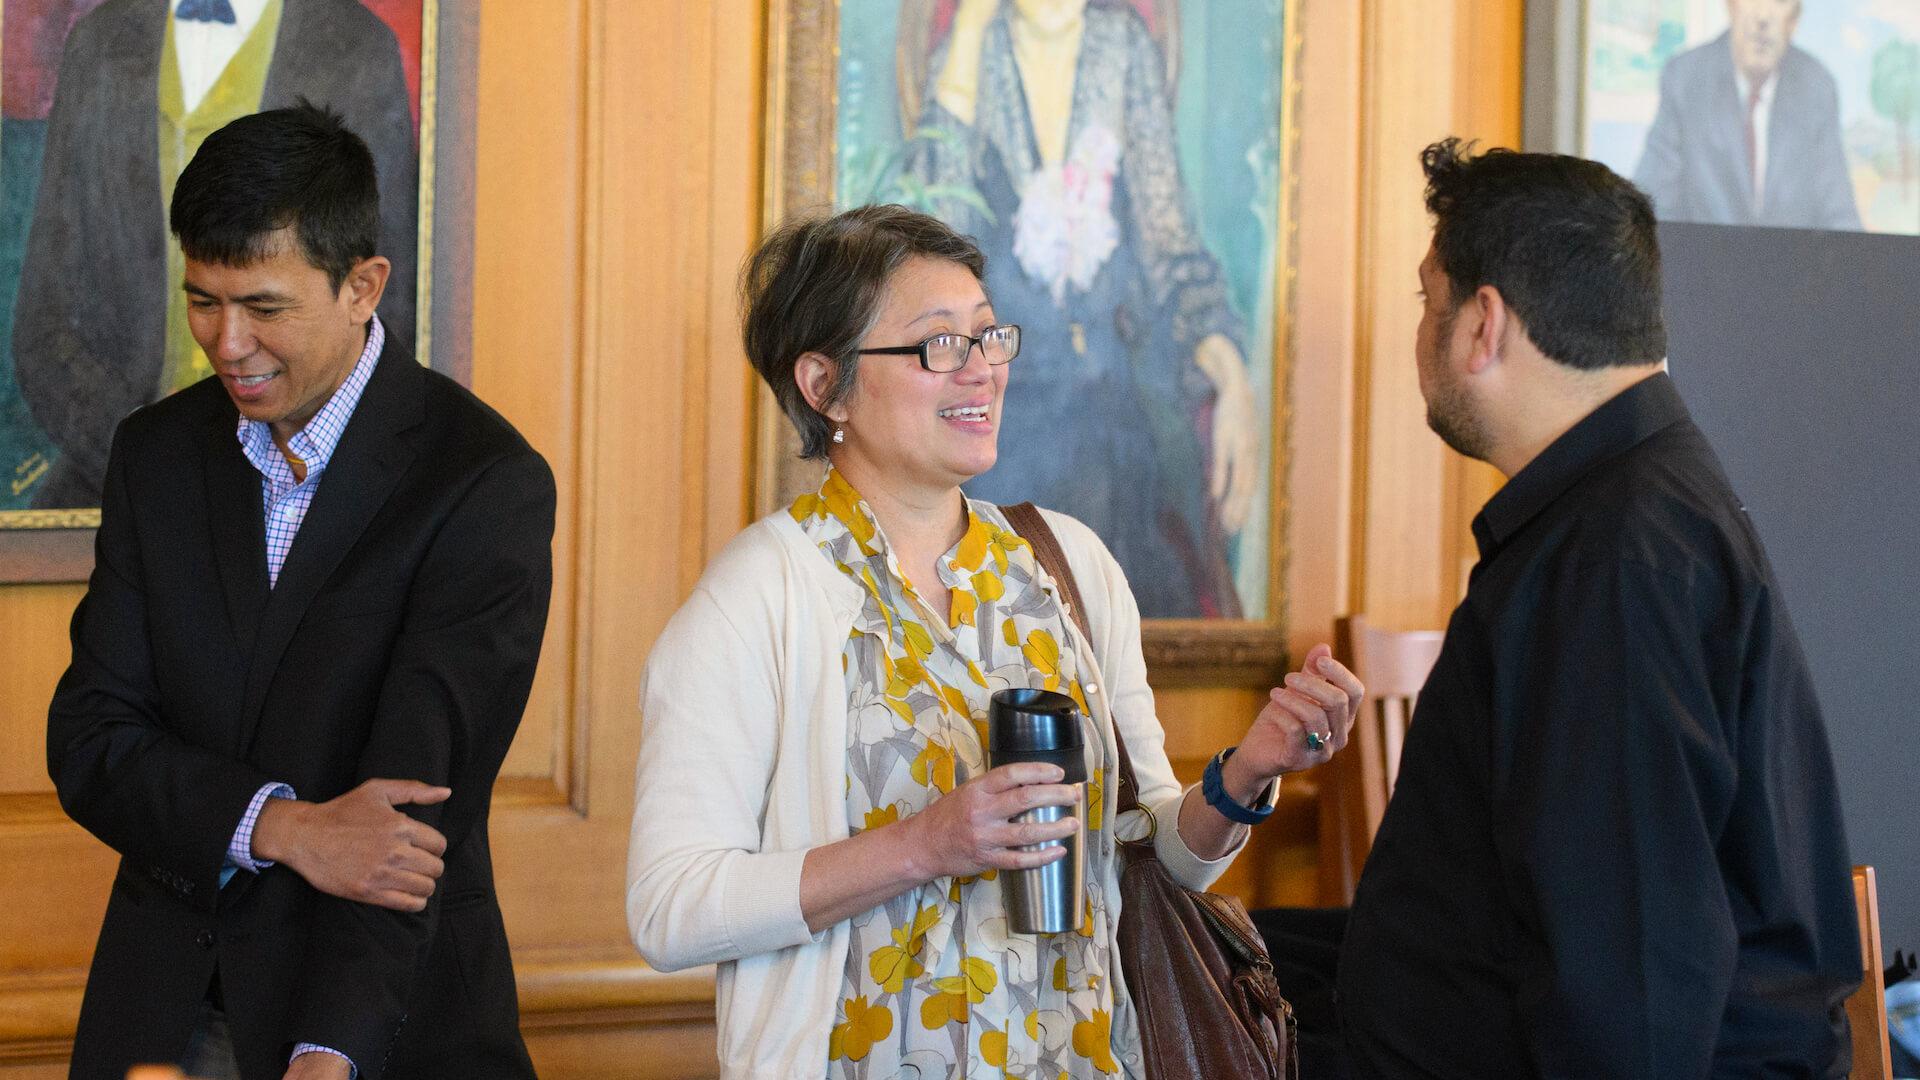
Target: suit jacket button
<point>204,939</point>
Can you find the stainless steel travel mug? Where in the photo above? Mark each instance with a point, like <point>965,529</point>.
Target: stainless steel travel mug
<point>1040,725</point>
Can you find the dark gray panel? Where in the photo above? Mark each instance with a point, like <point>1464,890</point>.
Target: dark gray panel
<point>1799,354</point>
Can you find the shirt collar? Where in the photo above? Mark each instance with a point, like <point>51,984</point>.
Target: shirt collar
<point>1610,430</point>
<point>1745,86</point>
<point>314,444</point>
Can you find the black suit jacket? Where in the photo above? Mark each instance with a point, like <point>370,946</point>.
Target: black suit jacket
<point>100,230</point>
<point>399,642</point>
<point>1694,166</point>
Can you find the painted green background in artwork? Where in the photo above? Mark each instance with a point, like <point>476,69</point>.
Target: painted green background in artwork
<point>25,453</point>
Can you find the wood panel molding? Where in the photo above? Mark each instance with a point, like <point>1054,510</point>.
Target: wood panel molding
<point>1199,652</point>
<point>591,990</point>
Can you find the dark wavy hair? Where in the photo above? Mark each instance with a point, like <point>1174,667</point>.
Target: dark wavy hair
<point>1571,246</point>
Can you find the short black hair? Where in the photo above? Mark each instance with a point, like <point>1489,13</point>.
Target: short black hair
<point>1572,247</point>
<point>815,285</point>
<point>298,167</point>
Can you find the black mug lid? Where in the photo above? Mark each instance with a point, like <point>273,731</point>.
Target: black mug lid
<point>1024,720</point>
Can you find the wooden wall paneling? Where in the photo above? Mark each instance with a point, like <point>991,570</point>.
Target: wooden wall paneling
<point>53,876</point>
<point>527,346</point>
<point>651,483</point>
<point>737,187</point>
<point>1488,55</point>
<point>536,361</point>
<point>670,182</point>
<point>1432,68</point>
<point>33,627</point>
<point>1385,78</point>
<point>1407,91</point>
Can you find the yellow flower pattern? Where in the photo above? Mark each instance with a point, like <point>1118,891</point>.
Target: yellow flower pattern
<point>864,1026</point>
<point>935,983</point>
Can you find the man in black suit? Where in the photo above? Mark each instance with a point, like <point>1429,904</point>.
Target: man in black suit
<point>320,586</point>
<point>1748,131</point>
<point>82,366</point>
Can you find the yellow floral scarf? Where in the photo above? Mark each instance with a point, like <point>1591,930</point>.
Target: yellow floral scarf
<point>936,984</point>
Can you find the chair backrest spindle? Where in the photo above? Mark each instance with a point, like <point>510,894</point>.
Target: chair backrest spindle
<point>1353,796</point>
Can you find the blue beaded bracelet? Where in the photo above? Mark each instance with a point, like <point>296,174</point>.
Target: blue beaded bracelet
<point>1215,791</point>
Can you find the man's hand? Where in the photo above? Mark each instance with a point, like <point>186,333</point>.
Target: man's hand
<point>317,1066</point>
<point>358,847</point>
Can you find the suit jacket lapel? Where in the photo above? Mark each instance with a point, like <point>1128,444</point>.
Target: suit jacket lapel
<point>362,473</point>
<point>236,519</point>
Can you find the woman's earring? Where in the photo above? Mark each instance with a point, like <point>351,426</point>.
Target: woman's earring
<point>839,435</point>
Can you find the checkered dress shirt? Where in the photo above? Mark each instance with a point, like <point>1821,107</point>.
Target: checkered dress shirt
<point>286,503</point>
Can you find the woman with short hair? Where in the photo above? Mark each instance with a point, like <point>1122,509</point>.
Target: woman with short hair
<point>813,810</point>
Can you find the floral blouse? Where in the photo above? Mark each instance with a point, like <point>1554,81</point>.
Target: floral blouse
<point>936,985</point>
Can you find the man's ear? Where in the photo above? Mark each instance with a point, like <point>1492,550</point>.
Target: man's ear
<point>1490,312</point>
<point>814,373</point>
<point>364,285</point>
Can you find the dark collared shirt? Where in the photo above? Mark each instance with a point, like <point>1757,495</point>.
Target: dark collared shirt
<point>1614,848</point>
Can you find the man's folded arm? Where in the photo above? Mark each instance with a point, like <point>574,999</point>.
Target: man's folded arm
<point>455,688</point>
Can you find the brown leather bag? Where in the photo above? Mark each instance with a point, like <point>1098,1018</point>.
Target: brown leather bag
<point>1200,977</point>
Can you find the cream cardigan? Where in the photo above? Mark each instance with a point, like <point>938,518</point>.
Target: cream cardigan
<point>743,769</point>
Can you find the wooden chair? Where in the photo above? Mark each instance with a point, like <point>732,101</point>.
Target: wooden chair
<point>1353,794</point>
<point>1867,1007</point>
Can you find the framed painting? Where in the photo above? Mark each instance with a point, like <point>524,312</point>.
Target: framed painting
<point>104,103</point>
<point>1778,113</point>
<point>1127,167</point>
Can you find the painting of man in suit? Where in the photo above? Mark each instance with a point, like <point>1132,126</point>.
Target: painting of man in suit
<point>1748,130</point>
<point>1125,199</point>
<point>98,318</point>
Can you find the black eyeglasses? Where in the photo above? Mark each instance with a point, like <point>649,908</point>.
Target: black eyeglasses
<point>949,352</point>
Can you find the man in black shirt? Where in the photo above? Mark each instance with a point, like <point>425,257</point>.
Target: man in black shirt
<point>1614,848</point>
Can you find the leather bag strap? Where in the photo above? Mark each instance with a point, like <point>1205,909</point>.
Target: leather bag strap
<point>1030,526</point>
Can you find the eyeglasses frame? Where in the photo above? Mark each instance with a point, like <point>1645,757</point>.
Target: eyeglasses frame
<point>972,343</point>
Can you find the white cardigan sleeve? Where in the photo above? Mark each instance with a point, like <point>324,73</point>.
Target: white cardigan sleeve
<point>1115,620</point>
<point>699,890</point>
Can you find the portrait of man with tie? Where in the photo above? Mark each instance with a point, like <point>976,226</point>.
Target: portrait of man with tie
<point>1748,130</point>
<point>105,103</point>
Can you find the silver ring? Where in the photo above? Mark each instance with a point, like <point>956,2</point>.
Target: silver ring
<point>1315,741</point>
